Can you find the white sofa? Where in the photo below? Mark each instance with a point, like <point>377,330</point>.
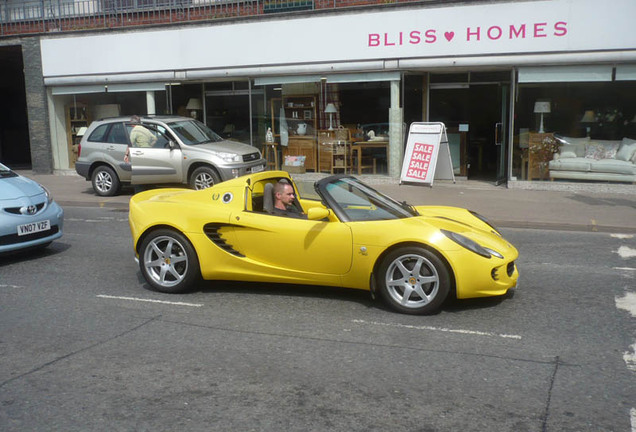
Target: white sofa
<point>597,160</point>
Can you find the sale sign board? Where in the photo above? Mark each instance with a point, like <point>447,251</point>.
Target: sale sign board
<point>427,154</point>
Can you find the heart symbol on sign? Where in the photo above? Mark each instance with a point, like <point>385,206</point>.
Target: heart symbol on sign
<point>449,36</point>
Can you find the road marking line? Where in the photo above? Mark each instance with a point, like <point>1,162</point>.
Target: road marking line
<point>11,286</point>
<point>622,236</point>
<point>440,329</point>
<point>626,252</point>
<point>627,303</point>
<point>150,300</point>
<point>624,268</point>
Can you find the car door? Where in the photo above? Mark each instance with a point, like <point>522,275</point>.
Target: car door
<point>294,245</point>
<point>116,144</point>
<point>160,163</point>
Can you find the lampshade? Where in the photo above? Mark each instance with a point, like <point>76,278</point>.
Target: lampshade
<point>194,104</point>
<point>541,107</point>
<point>588,117</point>
<point>331,109</point>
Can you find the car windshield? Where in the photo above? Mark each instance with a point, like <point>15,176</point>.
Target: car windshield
<point>353,201</point>
<point>193,132</point>
<point>6,172</point>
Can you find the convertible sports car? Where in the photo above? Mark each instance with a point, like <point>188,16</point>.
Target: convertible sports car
<point>353,236</point>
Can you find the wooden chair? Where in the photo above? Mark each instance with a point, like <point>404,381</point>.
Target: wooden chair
<point>270,151</point>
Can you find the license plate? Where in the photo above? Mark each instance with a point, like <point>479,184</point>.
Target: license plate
<point>34,227</point>
<point>258,168</point>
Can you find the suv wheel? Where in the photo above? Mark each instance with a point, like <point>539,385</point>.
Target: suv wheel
<point>105,181</point>
<point>204,177</point>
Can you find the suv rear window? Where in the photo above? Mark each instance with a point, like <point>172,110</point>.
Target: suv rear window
<point>117,134</point>
<point>99,133</point>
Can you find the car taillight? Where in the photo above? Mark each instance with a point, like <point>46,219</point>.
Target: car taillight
<point>79,150</point>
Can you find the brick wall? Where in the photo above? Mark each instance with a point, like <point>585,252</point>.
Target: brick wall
<point>39,133</point>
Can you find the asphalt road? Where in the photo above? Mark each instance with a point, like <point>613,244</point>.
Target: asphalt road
<point>85,345</point>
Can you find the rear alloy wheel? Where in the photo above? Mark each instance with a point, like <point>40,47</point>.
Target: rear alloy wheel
<point>105,181</point>
<point>168,261</point>
<point>413,280</point>
<point>203,178</point>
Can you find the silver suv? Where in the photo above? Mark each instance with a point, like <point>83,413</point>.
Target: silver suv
<point>162,150</point>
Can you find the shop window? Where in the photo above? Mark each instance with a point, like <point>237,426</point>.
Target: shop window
<point>591,111</point>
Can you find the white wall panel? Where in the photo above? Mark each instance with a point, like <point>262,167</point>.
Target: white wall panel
<point>482,31</point>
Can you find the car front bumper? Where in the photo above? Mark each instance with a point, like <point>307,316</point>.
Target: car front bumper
<point>10,241</point>
<point>228,172</point>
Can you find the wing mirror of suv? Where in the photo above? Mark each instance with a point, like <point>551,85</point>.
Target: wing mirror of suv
<point>172,145</point>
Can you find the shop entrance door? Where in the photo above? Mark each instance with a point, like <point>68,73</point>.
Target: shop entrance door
<point>476,105</point>
<point>501,135</point>
<point>236,114</point>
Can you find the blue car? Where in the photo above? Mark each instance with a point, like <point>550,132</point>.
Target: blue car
<point>29,218</point>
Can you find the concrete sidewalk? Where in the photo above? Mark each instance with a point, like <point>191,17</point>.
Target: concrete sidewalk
<point>549,205</point>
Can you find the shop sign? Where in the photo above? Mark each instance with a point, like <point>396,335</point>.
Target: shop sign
<point>427,156</point>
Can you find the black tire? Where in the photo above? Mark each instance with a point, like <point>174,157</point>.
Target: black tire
<point>204,177</point>
<point>168,262</point>
<point>105,181</point>
<point>413,280</point>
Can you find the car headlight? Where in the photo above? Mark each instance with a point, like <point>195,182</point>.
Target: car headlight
<point>470,244</point>
<point>49,197</point>
<point>486,221</point>
<point>228,157</point>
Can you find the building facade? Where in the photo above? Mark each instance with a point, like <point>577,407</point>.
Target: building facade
<point>505,77</point>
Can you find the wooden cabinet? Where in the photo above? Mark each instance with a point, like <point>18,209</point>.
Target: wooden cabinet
<point>299,114</point>
<point>541,148</point>
<point>76,120</point>
<point>302,146</point>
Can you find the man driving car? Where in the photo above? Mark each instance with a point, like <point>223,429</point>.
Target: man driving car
<point>284,200</point>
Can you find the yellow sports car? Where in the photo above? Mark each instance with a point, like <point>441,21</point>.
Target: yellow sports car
<point>351,236</point>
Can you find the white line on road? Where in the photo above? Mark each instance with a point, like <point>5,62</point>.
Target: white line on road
<point>633,416</point>
<point>440,329</point>
<point>150,300</point>
<point>10,286</point>
<point>624,268</point>
<point>626,252</point>
<point>622,236</point>
<point>627,303</point>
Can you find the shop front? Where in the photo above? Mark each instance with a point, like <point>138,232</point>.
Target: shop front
<point>508,89</point>
<point>576,123</point>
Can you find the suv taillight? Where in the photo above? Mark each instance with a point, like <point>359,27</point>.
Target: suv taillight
<point>79,150</point>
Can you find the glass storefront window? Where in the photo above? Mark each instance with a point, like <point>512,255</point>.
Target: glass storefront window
<point>582,114</point>
<point>309,120</point>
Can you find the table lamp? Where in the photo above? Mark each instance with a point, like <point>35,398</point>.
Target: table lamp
<point>541,107</point>
<point>193,106</point>
<point>588,118</point>
<point>331,110</point>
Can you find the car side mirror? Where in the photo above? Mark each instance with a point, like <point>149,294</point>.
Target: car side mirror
<point>172,145</point>
<point>317,213</point>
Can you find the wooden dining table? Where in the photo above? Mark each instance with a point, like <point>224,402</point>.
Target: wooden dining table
<point>358,147</point>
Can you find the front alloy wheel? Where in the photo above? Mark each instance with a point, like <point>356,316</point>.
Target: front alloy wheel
<point>413,280</point>
<point>168,261</point>
<point>203,178</point>
<point>105,181</point>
